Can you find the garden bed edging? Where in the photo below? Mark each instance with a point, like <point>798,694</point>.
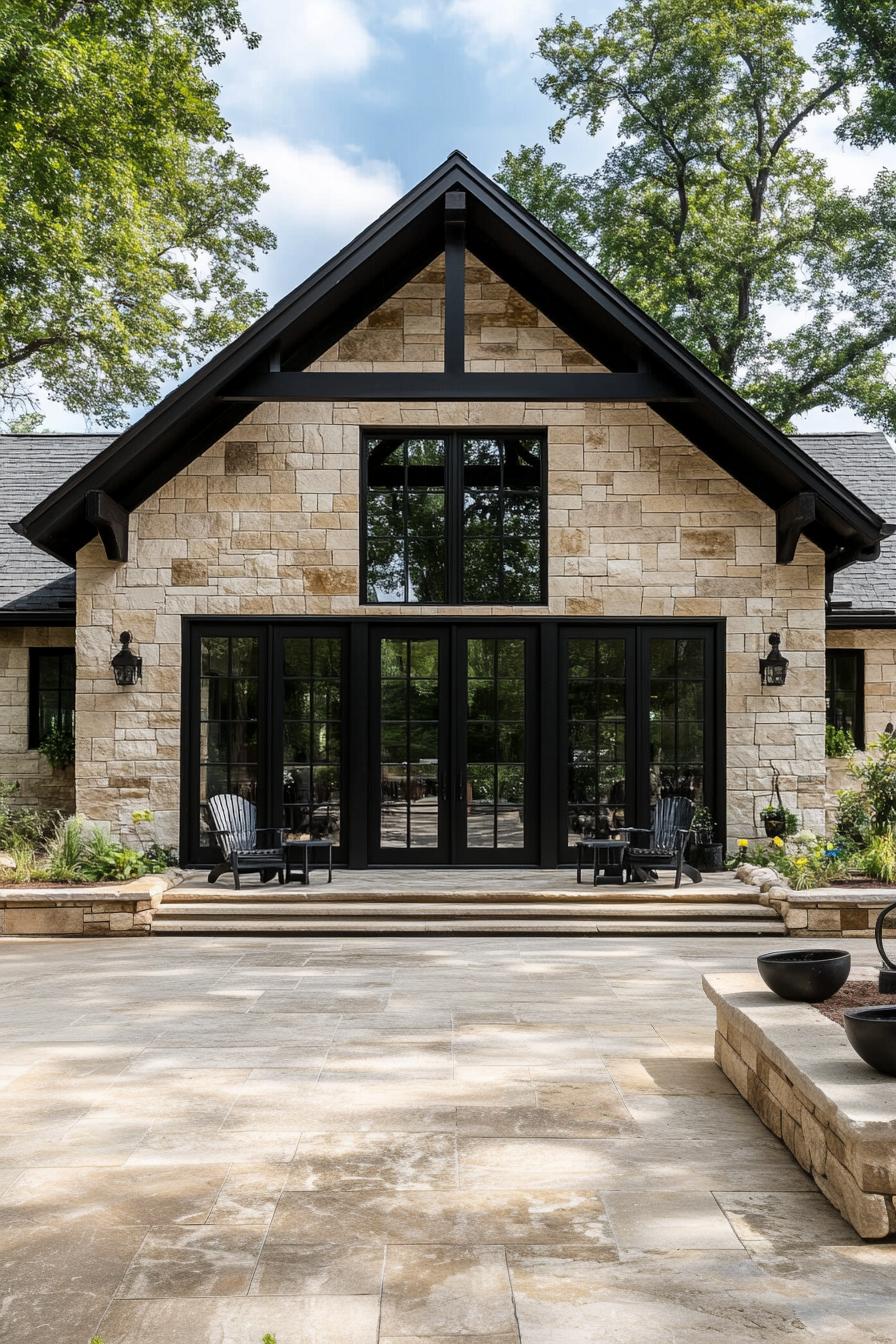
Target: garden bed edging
<point>117,910</point>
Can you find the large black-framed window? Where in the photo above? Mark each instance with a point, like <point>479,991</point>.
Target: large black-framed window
<point>845,692</point>
<point>51,692</point>
<point>454,518</point>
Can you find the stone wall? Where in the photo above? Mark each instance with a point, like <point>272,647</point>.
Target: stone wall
<point>267,522</point>
<point>879,647</point>
<point>799,1074</point>
<point>38,784</point>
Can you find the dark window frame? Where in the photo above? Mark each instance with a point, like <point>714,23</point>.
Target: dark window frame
<point>454,513</point>
<point>38,657</point>
<point>833,657</point>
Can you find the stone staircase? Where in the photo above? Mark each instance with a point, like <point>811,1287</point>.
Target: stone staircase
<point>585,911</point>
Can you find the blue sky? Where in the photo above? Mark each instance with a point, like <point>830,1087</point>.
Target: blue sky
<point>348,103</point>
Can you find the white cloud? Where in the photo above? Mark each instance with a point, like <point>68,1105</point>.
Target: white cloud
<point>514,22</point>
<point>413,18</point>
<point>312,40</point>
<point>483,24</point>
<point>313,190</point>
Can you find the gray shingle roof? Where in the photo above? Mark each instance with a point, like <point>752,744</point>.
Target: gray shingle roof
<point>866,464</point>
<point>31,465</point>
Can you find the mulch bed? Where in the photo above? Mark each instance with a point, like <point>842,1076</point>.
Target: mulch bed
<point>864,882</point>
<point>854,994</point>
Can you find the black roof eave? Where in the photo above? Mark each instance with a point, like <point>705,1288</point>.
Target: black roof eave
<point>384,256</point>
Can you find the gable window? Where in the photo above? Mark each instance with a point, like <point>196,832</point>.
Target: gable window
<point>51,693</point>
<point>845,692</point>
<point>454,518</point>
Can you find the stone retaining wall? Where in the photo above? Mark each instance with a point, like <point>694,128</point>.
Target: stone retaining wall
<point>83,912</point>
<point>801,1077</point>
<point>846,912</point>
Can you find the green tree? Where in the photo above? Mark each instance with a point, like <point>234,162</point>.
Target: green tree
<point>709,208</point>
<point>127,219</point>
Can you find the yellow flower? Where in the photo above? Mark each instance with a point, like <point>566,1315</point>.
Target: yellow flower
<point>778,842</point>
<point>801,861</point>
<point>742,844</point>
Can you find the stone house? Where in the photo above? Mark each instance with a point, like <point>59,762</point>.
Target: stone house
<point>454,556</point>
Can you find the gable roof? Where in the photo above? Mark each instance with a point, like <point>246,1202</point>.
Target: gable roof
<point>31,465</point>
<point>868,462</point>
<point>535,262</point>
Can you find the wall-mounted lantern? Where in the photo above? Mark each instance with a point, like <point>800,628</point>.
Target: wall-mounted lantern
<point>128,668</point>
<point>773,669</point>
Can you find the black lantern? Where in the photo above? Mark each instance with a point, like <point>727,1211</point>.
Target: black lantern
<point>128,668</point>
<point>773,669</point>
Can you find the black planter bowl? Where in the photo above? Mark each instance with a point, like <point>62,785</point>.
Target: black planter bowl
<point>872,1034</point>
<point>808,976</point>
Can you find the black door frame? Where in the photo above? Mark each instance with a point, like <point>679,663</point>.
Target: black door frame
<point>549,770</point>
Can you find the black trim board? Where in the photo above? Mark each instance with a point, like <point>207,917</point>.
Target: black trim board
<point>541,268</point>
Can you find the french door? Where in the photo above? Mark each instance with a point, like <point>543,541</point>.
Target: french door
<point>449,742</point>
<point>453,745</point>
<point>639,720</point>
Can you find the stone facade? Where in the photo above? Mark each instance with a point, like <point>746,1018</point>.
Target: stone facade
<point>38,783</point>
<point>879,647</point>
<point>880,673</point>
<point>266,522</point>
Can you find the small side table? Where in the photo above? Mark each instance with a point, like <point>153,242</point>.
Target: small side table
<point>606,854</point>
<point>294,850</point>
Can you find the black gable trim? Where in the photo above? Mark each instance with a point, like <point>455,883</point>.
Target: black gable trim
<point>547,273</point>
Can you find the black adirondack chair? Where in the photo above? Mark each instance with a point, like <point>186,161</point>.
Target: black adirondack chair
<point>670,827</point>
<point>237,837</point>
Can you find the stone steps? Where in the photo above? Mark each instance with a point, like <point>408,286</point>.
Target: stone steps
<point>586,894</point>
<point>464,917</point>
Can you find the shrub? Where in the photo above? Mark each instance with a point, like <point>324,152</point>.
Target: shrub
<point>105,861</point>
<point>854,823</point>
<point>20,824</point>
<point>879,857</point>
<point>838,741</point>
<point>877,777</point>
<point>65,850</point>
<point>58,747</point>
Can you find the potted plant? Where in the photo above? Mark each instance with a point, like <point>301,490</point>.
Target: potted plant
<point>706,854</point>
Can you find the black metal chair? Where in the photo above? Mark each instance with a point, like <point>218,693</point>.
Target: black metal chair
<point>671,823</point>
<point>236,835</point>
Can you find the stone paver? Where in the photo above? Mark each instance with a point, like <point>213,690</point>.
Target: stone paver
<point>515,1141</point>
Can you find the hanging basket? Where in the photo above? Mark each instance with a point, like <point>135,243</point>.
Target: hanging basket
<point>774,816</point>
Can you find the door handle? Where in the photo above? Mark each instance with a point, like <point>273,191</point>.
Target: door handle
<point>443,788</point>
<point>461,792</point>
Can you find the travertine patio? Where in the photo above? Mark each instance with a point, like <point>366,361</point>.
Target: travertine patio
<point>400,1141</point>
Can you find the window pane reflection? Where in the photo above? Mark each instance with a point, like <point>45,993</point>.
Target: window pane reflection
<point>596,802</point>
<point>409,743</point>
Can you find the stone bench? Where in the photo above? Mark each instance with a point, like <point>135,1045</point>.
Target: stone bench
<point>802,1078</point>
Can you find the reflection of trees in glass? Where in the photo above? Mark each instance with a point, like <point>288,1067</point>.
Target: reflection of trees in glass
<point>312,730</point>
<point>502,519</point>
<point>495,517</point>
<point>406,520</point>
<point>676,714</point>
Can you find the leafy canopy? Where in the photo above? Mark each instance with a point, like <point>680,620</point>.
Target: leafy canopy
<point>709,209</point>
<point>126,216</point>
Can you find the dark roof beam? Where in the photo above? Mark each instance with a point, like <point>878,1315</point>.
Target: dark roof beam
<point>111,522</point>
<point>547,387</point>
<point>791,521</point>
<point>455,262</point>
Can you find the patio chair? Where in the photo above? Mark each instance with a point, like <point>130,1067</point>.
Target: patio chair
<point>668,834</point>
<point>237,837</point>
